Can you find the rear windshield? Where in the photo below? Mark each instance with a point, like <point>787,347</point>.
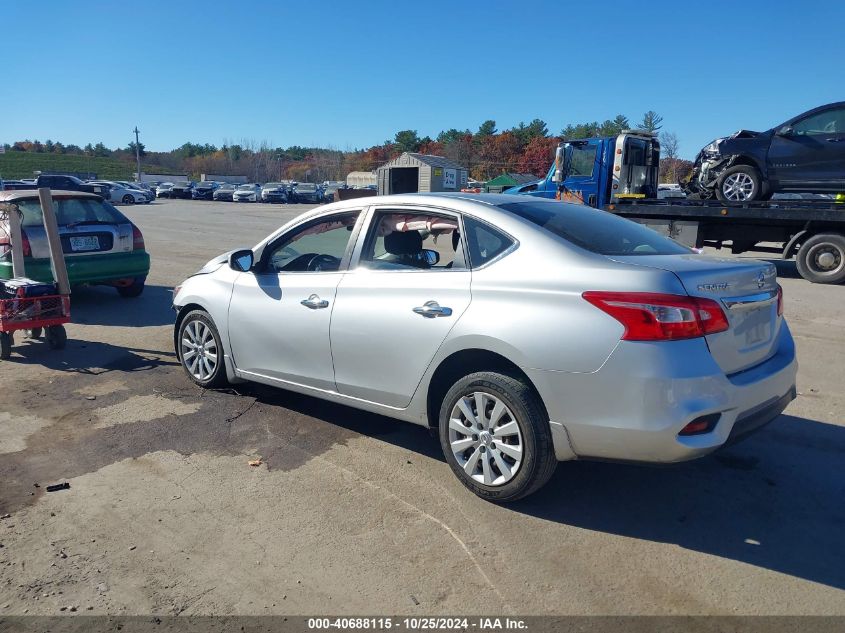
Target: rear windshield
<point>594,230</point>
<point>71,211</point>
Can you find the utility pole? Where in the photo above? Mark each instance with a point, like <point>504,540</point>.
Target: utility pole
<point>137,154</point>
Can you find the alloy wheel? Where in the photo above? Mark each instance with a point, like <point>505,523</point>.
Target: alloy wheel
<point>738,187</point>
<point>485,438</point>
<point>199,350</point>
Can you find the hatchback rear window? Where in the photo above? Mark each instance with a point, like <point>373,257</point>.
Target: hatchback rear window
<point>594,230</point>
<point>72,211</point>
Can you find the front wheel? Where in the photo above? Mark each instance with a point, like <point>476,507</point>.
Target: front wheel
<point>200,350</point>
<point>821,259</point>
<point>740,183</point>
<point>495,435</point>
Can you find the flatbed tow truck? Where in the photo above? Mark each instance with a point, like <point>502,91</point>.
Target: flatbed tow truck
<point>620,174</point>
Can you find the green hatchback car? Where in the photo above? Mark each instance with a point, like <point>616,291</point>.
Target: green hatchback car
<point>101,245</point>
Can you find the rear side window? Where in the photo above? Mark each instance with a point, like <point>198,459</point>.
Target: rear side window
<point>594,230</point>
<point>485,242</point>
<point>72,211</point>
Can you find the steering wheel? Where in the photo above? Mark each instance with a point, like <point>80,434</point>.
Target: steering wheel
<point>320,263</point>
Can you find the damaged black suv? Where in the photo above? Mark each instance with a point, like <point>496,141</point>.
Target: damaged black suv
<point>805,154</point>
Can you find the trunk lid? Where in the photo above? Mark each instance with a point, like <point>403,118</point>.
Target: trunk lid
<point>746,290</point>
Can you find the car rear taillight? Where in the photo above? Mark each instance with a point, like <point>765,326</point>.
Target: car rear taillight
<point>6,244</point>
<point>137,239</point>
<point>780,301</point>
<point>651,316</point>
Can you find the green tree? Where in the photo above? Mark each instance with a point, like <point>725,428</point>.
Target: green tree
<point>451,135</point>
<point>101,150</point>
<point>488,128</point>
<point>524,133</point>
<point>613,127</point>
<point>651,121</point>
<point>407,141</point>
<point>131,149</point>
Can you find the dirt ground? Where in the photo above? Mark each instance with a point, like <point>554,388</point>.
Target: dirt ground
<point>351,512</point>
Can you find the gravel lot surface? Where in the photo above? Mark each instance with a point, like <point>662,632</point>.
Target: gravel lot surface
<point>354,513</point>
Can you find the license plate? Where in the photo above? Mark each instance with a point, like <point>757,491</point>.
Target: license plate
<point>757,326</point>
<point>89,243</point>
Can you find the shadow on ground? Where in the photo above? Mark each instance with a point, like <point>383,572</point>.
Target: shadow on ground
<point>774,501</point>
<point>101,305</point>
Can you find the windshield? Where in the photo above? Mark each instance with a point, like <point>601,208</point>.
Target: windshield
<point>307,187</point>
<point>273,185</point>
<point>70,211</point>
<point>594,230</point>
<point>246,187</point>
<point>227,186</point>
<point>182,184</point>
<point>205,185</point>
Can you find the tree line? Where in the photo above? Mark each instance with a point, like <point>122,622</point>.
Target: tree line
<point>485,152</point>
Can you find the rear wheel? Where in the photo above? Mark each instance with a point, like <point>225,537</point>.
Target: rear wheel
<point>133,290</point>
<point>495,435</point>
<point>741,183</point>
<point>128,199</point>
<point>35,332</point>
<point>5,345</point>
<point>200,351</point>
<point>56,337</point>
<point>821,259</point>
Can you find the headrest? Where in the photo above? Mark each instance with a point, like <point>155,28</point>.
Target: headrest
<point>403,243</point>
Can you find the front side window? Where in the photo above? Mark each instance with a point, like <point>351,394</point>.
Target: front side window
<point>583,160</point>
<point>828,122</point>
<point>317,246</point>
<point>413,241</point>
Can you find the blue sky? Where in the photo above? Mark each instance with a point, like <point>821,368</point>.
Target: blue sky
<point>350,74</point>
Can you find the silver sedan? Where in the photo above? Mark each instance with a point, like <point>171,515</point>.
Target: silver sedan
<point>526,331</point>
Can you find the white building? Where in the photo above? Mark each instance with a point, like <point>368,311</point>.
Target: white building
<point>361,178</point>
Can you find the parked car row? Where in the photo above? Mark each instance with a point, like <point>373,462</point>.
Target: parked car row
<point>116,191</point>
<point>283,191</point>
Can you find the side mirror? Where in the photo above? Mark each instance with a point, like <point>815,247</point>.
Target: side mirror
<point>241,260</point>
<point>786,130</point>
<point>432,258</point>
<point>558,174</point>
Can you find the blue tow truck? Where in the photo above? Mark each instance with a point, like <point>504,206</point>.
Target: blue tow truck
<point>620,175</point>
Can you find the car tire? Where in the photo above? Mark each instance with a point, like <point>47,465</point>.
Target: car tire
<point>5,345</point>
<point>821,259</point>
<point>197,330</point>
<point>56,336</point>
<point>477,454</point>
<point>739,184</point>
<point>36,332</point>
<point>133,290</point>
<point>128,199</point>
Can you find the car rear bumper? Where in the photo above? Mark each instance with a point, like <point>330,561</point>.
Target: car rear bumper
<point>87,269</point>
<point>634,407</point>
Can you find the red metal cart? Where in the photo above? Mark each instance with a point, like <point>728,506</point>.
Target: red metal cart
<point>46,314</point>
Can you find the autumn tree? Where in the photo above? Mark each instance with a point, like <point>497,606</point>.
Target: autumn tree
<point>537,156</point>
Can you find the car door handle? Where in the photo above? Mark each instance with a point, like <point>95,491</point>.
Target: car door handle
<point>431,309</point>
<point>835,140</point>
<point>314,302</point>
